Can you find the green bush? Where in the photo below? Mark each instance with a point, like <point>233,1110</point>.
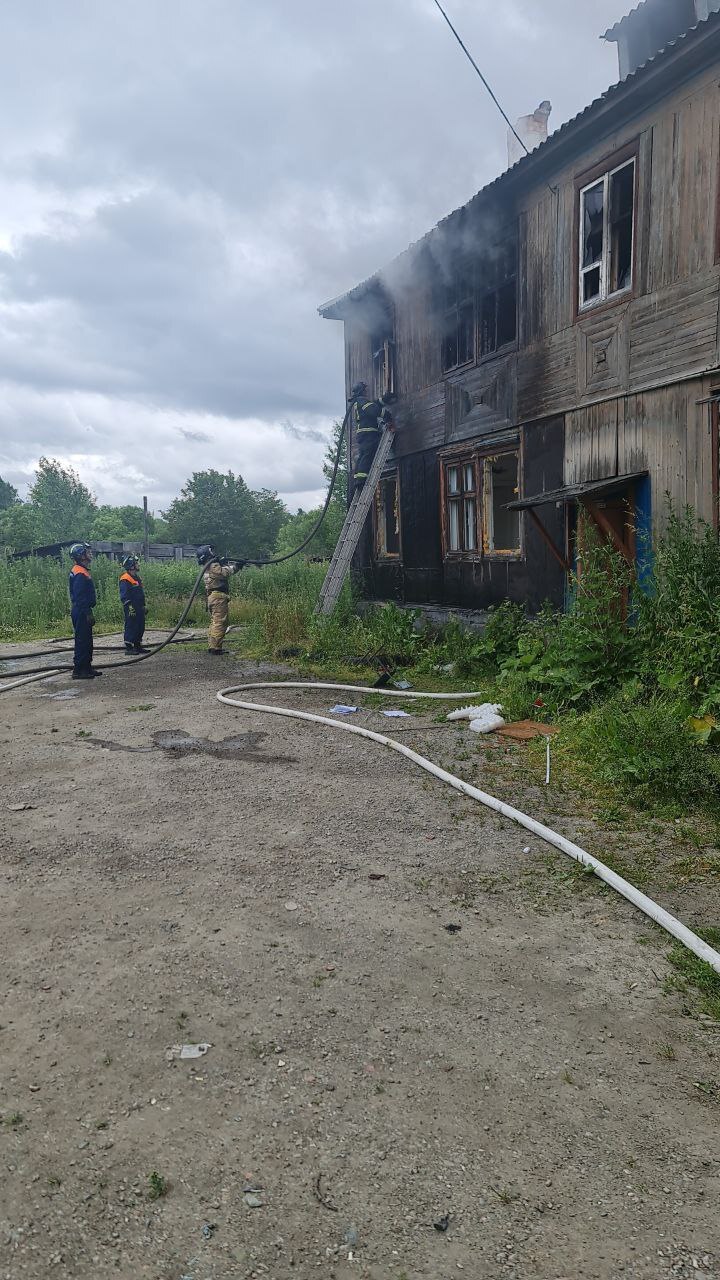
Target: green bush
<point>646,751</point>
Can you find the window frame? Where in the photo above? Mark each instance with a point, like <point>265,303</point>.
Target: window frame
<point>485,292</point>
<point>584,182</point>
<point>379,532</point>
<point>476,270</point>
<point>480,458</point>
<point>498,553</point>
<point>382,353</point>
<point>462,302</point>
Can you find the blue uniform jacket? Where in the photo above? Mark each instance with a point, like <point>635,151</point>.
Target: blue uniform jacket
<point>131,591</point>
<point>82,589</point>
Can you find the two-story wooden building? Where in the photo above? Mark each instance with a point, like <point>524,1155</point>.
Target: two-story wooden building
<point>553,344</point>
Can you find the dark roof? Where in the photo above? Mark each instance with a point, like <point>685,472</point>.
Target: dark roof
<point>684,50</point>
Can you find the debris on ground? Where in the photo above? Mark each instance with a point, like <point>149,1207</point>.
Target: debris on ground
<point>252,1200</point>
<point>402,684</point>
<point>442,1224</point>
<point>484,718</point>
<point>291,906</point>
<point>341,710</point>
<point>208,1230</point>
<point>452,928</point>
<point>185,1051</point>
<point>526,730</point>
<point>396,715</point>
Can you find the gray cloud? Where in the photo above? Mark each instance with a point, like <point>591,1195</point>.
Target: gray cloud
<point>183,184</point>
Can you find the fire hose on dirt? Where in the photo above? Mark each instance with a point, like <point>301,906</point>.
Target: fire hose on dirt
<point>627,890</point>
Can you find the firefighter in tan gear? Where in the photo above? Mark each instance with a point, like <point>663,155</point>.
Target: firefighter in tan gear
<point>217,575</point>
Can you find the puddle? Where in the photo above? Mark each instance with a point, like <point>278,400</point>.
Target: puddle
<point>177,742</point>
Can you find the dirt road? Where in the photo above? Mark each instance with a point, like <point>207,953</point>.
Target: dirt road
<point>523,1081</point>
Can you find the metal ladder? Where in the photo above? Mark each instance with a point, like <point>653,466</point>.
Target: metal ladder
<point>352,529</point>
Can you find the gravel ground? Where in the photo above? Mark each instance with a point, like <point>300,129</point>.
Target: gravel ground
<point>372,1076</point>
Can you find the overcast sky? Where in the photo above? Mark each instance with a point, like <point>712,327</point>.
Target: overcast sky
<point>183,182</point>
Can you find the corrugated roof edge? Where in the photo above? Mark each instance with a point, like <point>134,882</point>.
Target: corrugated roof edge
<point>330,310</point>
<point>621,21</point>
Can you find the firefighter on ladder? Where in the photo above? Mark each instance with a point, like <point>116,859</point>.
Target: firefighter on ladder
<point>369,420</point>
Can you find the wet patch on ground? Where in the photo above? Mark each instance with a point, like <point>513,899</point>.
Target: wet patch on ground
<point>178,742</point>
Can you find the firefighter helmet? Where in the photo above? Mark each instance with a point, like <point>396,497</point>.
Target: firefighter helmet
<point>79,551</point>
<point>130,562</point>
<point>205,554</point>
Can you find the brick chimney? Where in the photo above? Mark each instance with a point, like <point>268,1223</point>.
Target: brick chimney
<point>532,129</point>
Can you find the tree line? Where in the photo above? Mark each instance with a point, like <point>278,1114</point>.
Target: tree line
<point>212,506</point>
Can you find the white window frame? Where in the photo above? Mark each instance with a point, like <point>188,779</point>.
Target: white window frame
<point>604,263</point>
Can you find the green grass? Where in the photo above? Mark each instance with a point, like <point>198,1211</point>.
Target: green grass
<point>693,973</point>
<point>158,1186</point>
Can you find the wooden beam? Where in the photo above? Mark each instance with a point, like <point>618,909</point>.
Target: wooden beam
<point>546,537</point>
<point>605,527</point>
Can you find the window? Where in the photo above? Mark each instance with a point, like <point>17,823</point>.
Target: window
<point>497,307</point>
<point>480,297</point>
<point>461,500</point>
<point>387,518</point>
<point>383,357</point>
<point>458,346</point>
<point>495,480</point>
<point>501,532</point>
<point>607,217</point>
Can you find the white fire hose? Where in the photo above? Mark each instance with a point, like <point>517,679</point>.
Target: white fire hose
<point>640,900</point>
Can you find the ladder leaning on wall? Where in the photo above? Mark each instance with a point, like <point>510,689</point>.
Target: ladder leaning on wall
<point>352,528</point>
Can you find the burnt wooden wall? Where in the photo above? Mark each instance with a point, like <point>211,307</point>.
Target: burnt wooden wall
<point>626,377</point>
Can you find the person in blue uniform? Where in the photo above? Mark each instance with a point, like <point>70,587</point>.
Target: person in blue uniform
<point>82,603</point>
<point>132,597</point>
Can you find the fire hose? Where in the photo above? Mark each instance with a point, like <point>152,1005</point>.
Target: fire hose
<point>652,909</point>
<point>641,901</point>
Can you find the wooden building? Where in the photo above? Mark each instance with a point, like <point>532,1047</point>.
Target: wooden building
<point>553,344</point>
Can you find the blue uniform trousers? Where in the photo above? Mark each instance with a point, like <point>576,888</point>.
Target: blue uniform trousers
<point>82,628</point>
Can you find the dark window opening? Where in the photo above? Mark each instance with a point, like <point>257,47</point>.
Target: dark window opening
<point>502,527</point>
<point>622,193</point>
<point>498,298</point>
<point>383,357</point>
<point>458,345</point>
<point>387,517</point>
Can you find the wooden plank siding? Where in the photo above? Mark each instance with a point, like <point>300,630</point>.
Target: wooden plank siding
<point>620,382</point>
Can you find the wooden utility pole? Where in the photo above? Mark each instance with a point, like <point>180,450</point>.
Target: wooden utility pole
<point>146,540</point>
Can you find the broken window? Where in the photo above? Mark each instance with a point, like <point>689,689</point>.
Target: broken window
<point>383,357</point>
<point>458,345</point>
<point>498,297</point>
<point>461,506</point>
<point>501,528</point>
<point>472,526</point>
<point>387,517</point>
<point>607,218</point>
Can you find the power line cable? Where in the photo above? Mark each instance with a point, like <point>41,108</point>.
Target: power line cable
<point>473,63</point>
<point>506,118</point>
